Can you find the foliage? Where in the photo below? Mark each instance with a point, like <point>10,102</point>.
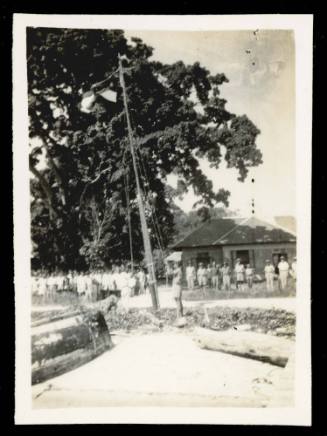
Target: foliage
<point>80,162</point>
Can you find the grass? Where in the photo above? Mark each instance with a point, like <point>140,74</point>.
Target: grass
<point>258,291</point>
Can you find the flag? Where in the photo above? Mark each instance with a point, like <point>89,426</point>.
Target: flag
<point>87,102</point>
<point>108,94</point>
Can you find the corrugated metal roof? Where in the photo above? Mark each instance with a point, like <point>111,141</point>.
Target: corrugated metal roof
<point>234,231</point>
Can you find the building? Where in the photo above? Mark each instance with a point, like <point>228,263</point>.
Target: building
<point>251,240</point>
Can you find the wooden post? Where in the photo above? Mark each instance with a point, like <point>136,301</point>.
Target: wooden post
<point>145,230</point>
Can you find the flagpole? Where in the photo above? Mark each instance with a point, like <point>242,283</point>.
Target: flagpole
<point>145,230</point>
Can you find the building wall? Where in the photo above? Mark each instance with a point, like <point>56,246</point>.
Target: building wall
<point>258,253</point>
<point>199,254</point>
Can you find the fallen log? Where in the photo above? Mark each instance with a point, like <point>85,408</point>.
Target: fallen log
<point>266,348</point>
<point>61,345</point>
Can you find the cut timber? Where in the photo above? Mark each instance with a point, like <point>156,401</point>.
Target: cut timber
<point>266,348</point>
<point>63,344</point>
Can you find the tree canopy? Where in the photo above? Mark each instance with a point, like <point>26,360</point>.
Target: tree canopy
<point>83,184</point>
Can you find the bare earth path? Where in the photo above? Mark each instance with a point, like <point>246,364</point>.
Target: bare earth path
<point>167,369</point>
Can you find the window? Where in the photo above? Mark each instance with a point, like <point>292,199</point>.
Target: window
<point>244,255</point>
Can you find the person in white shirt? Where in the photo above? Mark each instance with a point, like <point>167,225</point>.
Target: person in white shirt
<point>269,275</point>
<point>215,276</point>
<point>122,282</point>
<point>239,272</point>
<point>190,275</point>
<point>283,268</point>
<point>209,276</point>
<point>131,283</point>
<point>249,274</point>
<point>88,286</point>
<point>177,288</point>
<point>202,276</point>
<point>226,273</point>
<point>80,284</point>
<point>141,279</point>
<point>108,283</point>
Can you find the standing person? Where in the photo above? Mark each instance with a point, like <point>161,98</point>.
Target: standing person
<point>249,274</point>
<point>88,285</point>
<point>80,284</point>
<point>73,282</point>
<point>283,267</point>
<point>122,282</point>
<point>226,273</point>
<point>269,275</point>
<point>209,275</point>
<point>215,276</point>
<point>131,283</point>
<point>202,276</point>
<point>239,273</point>
<point>190,276</point>
<point>141,280</point>
<point>177,288</point>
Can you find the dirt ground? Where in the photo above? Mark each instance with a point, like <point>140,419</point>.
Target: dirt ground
<point>162,365</point>
<point>167,369</point>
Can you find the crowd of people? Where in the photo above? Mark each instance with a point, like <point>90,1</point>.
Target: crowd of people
<point>125,281</point>
<point>221,277</point>
<point>93,285</point>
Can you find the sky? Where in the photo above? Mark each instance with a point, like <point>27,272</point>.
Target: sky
<point>260,67</point>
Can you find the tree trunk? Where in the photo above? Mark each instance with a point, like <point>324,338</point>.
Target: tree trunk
<point>266,348</point>
<point>65,343</point>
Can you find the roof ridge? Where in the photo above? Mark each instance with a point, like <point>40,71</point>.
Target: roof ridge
<point>230,231</point>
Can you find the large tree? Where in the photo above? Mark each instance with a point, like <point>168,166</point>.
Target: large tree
<point>82,179</point>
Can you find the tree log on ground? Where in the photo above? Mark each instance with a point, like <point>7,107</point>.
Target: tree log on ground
<point>61,345</point>
<point>266,348</point>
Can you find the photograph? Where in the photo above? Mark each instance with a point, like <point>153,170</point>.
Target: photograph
<point>162,218</point>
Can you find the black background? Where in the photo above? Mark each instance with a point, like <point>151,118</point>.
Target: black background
<point>319,263</point>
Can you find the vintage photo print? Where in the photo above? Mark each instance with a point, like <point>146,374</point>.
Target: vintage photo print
<point>162,197</point>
